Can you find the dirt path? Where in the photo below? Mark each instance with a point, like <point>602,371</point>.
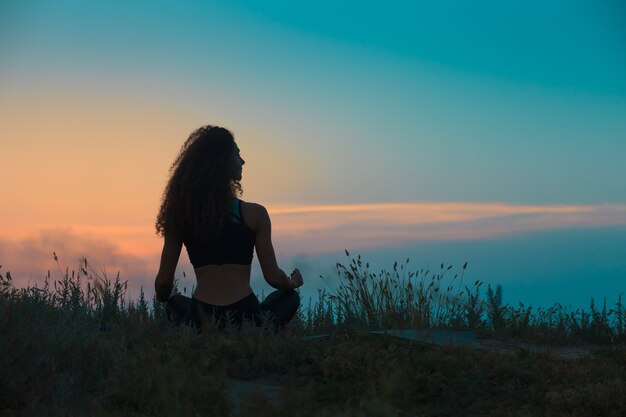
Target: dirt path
<point>470,339</point>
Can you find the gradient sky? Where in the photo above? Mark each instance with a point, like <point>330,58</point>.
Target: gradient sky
<point>388,129</point>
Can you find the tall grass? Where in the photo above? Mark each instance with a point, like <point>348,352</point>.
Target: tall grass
<point>76,347</point>
<point>364,300</point>
<point>101,300</point>
<point>400,298</point>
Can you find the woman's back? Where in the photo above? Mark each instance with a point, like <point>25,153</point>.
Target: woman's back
<point>222,284</point>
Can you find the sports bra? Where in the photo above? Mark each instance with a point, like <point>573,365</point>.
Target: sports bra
<point>233,245</point>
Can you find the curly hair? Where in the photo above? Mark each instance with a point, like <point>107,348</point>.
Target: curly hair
<point>195,200</point>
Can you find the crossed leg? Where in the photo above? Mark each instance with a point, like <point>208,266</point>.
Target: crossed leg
<point>282,303</point>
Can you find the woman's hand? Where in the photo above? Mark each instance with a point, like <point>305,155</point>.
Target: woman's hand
<point>296,279</point>
<point>289,282</point>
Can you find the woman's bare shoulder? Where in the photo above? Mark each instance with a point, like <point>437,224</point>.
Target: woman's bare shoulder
<point>252,212</point>
<point>252,206</point>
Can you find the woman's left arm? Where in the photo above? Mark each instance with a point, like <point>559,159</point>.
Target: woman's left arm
<point>164,282</point>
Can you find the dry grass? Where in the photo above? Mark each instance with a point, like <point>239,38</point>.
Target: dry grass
<point>77,349</point>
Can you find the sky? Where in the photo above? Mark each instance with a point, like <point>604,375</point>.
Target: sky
<point>447,132</point>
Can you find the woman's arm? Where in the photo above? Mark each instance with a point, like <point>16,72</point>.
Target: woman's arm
<point>164,282</point>
<point>274,276</point>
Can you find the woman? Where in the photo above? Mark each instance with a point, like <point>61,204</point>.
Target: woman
<point>200,209</point>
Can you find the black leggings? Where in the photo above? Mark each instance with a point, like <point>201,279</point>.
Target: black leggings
<point>279,307</point>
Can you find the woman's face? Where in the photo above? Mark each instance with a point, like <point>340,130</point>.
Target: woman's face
<point>236,164</point>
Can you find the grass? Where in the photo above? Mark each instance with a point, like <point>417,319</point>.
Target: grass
<point>77,348</point>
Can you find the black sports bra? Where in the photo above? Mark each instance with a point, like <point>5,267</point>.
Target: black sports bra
<point>233,245</point>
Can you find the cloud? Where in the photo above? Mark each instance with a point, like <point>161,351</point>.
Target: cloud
<point>319,229</point>
<point>29,259</point>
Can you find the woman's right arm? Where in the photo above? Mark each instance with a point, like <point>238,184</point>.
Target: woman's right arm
<point>274,276</point>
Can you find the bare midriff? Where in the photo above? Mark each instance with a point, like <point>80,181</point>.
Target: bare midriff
<point>222,284</point>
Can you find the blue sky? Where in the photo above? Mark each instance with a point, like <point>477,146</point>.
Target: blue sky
<point>331,103</point>
<point>453,100</point>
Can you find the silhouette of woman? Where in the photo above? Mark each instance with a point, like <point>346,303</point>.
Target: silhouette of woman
<point>200,209</point>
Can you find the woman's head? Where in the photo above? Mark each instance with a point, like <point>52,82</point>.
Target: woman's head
<point>203,179</point>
